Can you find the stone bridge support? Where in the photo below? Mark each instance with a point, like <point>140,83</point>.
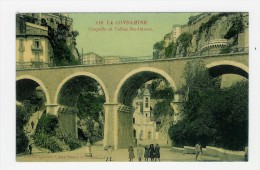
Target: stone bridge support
<point>118,130</point>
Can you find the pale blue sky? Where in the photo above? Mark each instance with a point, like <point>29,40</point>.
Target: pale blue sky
<point>123,43</point>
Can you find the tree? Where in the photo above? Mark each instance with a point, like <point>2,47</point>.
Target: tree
<point>159,45</point>
<point>90,105</point>
<point>183,42</point>
<point>21,139</point>
<point>211,115</point>
<point>162,108</point>
<point>170,51</point>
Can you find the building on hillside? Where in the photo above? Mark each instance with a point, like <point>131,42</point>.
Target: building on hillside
<point>144,127</point>
<point>34,36</point>
<point>173,35</point>
<point>112,59</point>
<point>91,59</point>
<point>33,48</point>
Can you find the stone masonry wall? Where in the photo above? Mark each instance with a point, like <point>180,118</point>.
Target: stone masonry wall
<point>125,129</point>
<point>67,121</point>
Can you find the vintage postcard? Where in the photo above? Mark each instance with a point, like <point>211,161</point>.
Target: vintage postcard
<point>132,87</point>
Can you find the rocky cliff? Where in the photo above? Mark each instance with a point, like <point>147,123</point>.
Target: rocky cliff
<point>213,33</point>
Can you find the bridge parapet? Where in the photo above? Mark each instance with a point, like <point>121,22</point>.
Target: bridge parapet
<point>209,53</point>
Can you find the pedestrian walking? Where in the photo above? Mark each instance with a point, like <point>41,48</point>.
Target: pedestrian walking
<point>198,151</point>
<point>131,153</point>
<point>151,152</point>
<point>32,124</point>
<point>30,148</point>
<point>109,149</point>
<point>157,152</point>
<point>139,152</point>
<point>146,153</point>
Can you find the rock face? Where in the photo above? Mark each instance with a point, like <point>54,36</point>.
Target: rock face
<point>214,33</point>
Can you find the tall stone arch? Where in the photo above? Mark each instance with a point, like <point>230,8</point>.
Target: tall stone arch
<point>241,69</point>
<point>68,121</point>
<point>143,69</point>
<point>87,74</point>
<point>38,81</point>
<point>120,107</point>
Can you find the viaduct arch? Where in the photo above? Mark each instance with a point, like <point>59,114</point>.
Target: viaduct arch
<point>38,81</point>
<point>113,78</point>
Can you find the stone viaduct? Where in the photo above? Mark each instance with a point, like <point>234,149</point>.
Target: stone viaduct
<point>120,82</point>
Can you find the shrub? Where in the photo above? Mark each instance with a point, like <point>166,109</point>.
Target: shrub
<point>49,135</point>
<point>21,141</point>
<point>50,142</point>
<point>22,118</point>
<point>72,143</point>
<point>47,124</point>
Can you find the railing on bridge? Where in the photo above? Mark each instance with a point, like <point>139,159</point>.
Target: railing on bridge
<point>26,65</point>
<point>32,65</point>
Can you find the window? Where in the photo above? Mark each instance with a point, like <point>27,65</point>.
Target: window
<point>133,120</point>
<point>146,102</point>
<point>20,43</point>
<point>134,132</point>
<point>149,135</point>
<point>36,43</point>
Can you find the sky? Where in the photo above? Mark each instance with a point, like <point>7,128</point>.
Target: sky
<point>110,40</point>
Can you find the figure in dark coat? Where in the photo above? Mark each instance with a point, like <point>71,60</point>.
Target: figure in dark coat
<point>151,152</point>
<point>146,153</point>
<point>30,148</point>
<point>131,153</point>
<point>157,152</point>
<point>32,124</point>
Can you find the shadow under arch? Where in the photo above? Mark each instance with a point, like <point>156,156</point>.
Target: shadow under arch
<point>218,68</point>
<point>86,74</point>
<point>147,71</point>
<point>37,80</point>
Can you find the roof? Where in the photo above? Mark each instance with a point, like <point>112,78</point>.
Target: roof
<point>146,92</point>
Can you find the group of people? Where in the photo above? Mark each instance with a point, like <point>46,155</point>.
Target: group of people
<point>152,152</point>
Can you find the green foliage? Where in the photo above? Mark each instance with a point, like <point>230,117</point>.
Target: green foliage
<point>210,115</point>
<point>236,28</point>
<point>165,93</point>
<point>61,50</point>
<point>159,45</point>
<point>90,105</point>
<point>21,141</point>
<point>22,117</point>
<point>71,91</point>
<point>196,77</point>
<point>49,135</point>
<point>49,142</point>
<point>163,108</point>
<point>47,124</point>
<point>184,41</point>
<point>170,51</point>
<point>62,54</point>
<point>72,143</point>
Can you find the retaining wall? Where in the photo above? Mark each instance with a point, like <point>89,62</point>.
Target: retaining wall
<point>223,154</point>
